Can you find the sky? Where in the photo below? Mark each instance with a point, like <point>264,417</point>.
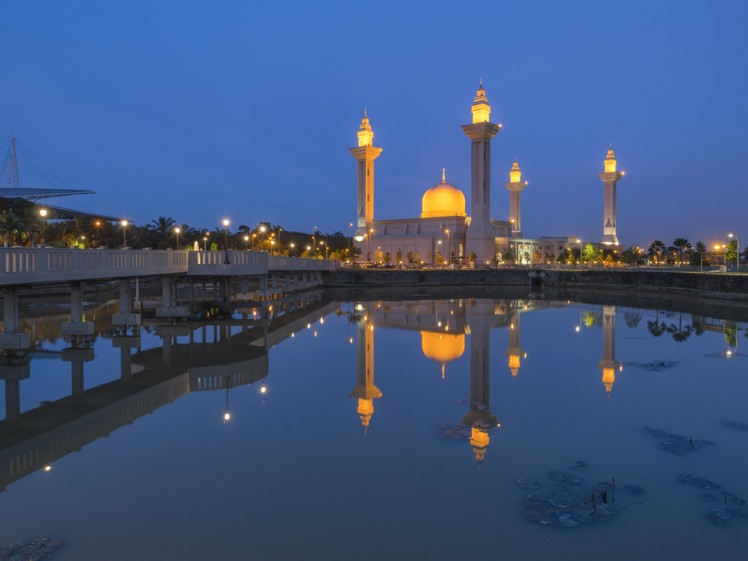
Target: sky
<point>200,110</point>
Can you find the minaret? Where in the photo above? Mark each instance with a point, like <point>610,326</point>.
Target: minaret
<point>480,236</point>
<point>608,363</point>
<point>515,186</point>
<point>365,390</point>
<point>365,154</point>
<point>480,418</point>
<point>609,179</point>
<point>514,351</point>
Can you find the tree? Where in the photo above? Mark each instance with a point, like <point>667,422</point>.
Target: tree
<point>589,253</point>
<point>681,245</point>
<point>159,232</point>
<point>697,257</point>
<point>632,256</point>
<point>656,248</point>
<point>731,252</point>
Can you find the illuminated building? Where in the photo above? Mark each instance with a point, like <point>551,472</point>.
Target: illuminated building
<point>444,233</point>
<point>609,178</point>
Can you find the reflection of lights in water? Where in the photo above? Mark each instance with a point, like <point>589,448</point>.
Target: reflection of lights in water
<point>263,389</point>
<point>577,328</point>
<point>293,335</point>
<point>47,468</point>
<point>322,321</point>
<point>226,417</point>
<point>315,332</point>
<point>350,340</point>
<point>308,325</point>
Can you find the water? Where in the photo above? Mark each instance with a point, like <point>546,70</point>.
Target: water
<point>334,445</point>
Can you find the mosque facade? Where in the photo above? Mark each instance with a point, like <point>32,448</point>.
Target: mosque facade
<point>444,233</point>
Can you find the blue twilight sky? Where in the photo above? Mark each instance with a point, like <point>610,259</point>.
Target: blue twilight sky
<point>199,110</point>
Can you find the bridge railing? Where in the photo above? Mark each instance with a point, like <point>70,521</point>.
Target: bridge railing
<point>283,263</point>
<point>204,263</point>
<point>21,265</point>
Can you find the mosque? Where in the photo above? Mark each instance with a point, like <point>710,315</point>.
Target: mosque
<point>444,233</point>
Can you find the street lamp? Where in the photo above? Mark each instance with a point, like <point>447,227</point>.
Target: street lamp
<point>43,214</point>
<point>205,241</point>
<point>449,247</point>
<point>97,225</point>
<point>246,242</point>
<point>293,245</point>
<point>177,231</point>
<point>124,233</point>
<point>439,250</point>
<point>272,247</point>
<point>737,251</point>
<point>226,223</point>
<point>580,251</point>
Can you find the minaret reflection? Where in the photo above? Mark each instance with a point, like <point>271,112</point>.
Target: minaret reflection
<point>365,390</point>
<point>514,351</point>
<point>480,419</point>
<point>608,363</point>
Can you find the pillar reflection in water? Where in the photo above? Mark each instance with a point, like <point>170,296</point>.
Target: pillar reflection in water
<point>480,419</point>
<point>514,351</point>
<point>365,391</point>
<point>609,363</point>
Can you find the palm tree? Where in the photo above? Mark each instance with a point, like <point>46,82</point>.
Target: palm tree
<point>161,228</point>
<point>656,248</point>
<point>681,244</point>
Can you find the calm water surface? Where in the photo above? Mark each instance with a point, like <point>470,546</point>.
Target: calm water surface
<point>374,429</point>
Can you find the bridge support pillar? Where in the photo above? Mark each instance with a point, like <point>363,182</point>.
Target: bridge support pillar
<point>77,327</point>
<point>13,374</point>
<point>12,399</point>
<point>264,286</point>
<point>168,309</point>
<point>11,339</point>
<point>125,318</point>
<point>125,345</point>
<point>77,357</point>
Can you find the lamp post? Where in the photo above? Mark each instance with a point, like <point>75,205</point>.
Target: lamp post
<point>124,234</point>
<point>449,247</point>
<point>177,231</point>
<point>97,225</point>
<point>737,251</point>
<point>246,242</point>
<point>272,247</point>
<point>253,240</point>
<point>293,245</point>
<point>263,229</point>
<point>225,223</point>
<point>205,241</point>
<point>371,240</point>
<point>579,241</point>
<point>43,214</point>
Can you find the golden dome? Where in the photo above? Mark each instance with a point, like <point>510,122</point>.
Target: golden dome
<point>443,199</point>
<point>442,347</point>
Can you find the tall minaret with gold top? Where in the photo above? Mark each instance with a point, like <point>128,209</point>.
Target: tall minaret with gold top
<point>365,154</point>
<point>515,186</point>
<point>609,178</point>
<point>480,238</point>
<point>365,390</point>
<point>609,363</point>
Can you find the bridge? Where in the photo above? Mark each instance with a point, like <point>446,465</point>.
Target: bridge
<point>21,267</point>
<point>148,380</point>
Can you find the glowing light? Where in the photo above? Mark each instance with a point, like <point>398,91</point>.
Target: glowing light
<point>43,214</point>
<point>263,389</point>
<point>315,332</point>
<point>227,417</point>
<point>47,468</point>
<point>350,340</point>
